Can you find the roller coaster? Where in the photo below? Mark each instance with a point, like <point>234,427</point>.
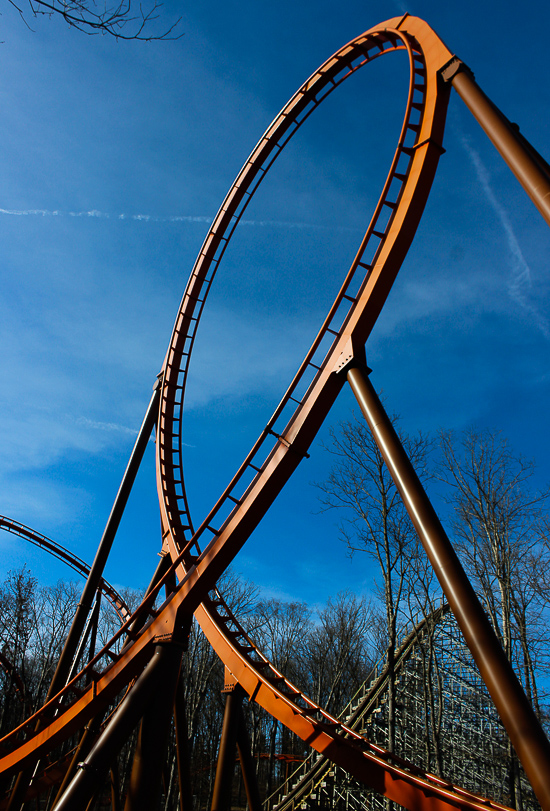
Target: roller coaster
<point>132,680</point>
<point>473,747</point>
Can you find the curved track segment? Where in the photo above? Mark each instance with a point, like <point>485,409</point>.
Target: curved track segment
<point>288,434</point>
<point>59,552</point>
<point>293,426</point>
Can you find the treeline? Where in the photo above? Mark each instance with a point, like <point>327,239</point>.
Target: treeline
<point>329,652</point>
<point>499,524</point>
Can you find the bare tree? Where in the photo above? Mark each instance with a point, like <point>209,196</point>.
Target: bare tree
<point>375,521</point>
<point>53,610</point>
<point>282,632</point>
<point>499,529</point>
<point>339,653</point>
<point>16,627</point>
<point>121,19</point>
<point>499,526</point>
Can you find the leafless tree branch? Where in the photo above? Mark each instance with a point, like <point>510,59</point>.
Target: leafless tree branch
<point>121,20</point>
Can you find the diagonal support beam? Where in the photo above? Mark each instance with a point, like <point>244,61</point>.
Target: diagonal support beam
<point>96,572</point>
<point>528,166</point>
<point>516,712</point>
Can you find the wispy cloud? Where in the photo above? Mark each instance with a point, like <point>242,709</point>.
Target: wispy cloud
<point>520,280</point>
<point>105,426</point>
<point>229,360</point>
<point>114,427</point>
<point>175,218</point>
<point>37,212</point>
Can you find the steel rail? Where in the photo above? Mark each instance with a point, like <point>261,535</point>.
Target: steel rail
<point>247,508</point>
<point>415,149</point>
<point>385,772</point>
<point>66,556</point>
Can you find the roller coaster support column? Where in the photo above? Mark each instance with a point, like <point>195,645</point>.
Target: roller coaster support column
<point>248,767</point>
<point>96,572</point>
<point>221,795</point>
<point>515,710</point>
<point>92,772</point>
<point>521,159</point>
<point>150,751</point>
<point>84,745</point>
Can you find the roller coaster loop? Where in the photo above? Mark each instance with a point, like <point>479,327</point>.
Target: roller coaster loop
<point>142,659</point>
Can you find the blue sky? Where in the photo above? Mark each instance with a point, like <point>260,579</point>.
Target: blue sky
<point>115,157</point>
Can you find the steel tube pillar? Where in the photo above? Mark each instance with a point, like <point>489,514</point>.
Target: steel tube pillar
<point>86,741</point>
<point>150,754</point>
<point>91,773</point>
<point>516,712</point>
<point>221,795</point>
<point>509,143</point>
<point>96,572</point>
<point>248,769</point>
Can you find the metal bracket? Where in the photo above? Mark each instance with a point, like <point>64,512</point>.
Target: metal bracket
<point>230,682</point>
<point>454,66</point>
<point>86,767</point>
<point>350,357</point>
<point>290,445</point>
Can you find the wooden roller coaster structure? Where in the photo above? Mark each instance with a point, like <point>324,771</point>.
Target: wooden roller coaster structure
<point>142,660</point>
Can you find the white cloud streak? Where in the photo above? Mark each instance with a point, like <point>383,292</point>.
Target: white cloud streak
<point>175,218</point>
<point>105,426</point>
<point>40,212</point>
<point>115,427</point>
<point>520,280</point>
<point>401,7</point>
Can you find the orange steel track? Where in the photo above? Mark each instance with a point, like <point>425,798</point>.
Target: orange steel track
<point>64,555</point>
<point>281,445</point>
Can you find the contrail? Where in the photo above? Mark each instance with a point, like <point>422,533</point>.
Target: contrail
<point>521,273</point>
<point>99,215</point>
<point>30,211</point>
<point>105,426</point>
<point>114,427</point>
<point>175,218</point>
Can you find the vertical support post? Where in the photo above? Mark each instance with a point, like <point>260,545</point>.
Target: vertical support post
<point>92,771</point>
<point>516,712</point>
<point>150,754</point>
<point>223,783</point>
<point>182,750</point>
<point>522,161</point>
<point>248,769</point>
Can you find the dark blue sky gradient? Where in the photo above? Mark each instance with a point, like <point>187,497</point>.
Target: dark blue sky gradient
<point>116,156</point>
